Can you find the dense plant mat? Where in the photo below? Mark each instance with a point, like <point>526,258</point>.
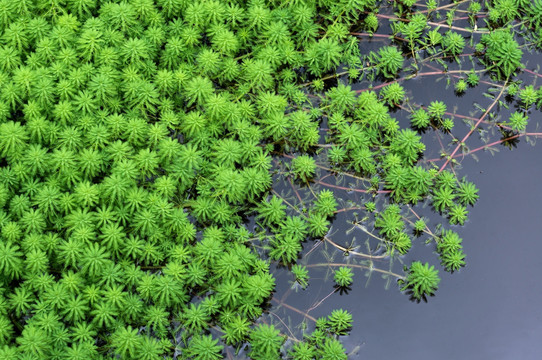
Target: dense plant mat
<point>141,141</point>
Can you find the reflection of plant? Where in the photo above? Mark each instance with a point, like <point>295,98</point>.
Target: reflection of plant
<point>422,280</point>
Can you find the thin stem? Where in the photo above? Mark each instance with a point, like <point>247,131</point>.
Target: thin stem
<point>472,130</point>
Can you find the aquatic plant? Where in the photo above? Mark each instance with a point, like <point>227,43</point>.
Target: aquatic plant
<point>339,321</point>
<point>266,342</point>
<point>343,276</point>
<point>304,167</point>
<point>518,121</point>
<point>502,51</point>
<point>422,280</point>
<point>420,119</point>
<point>301,275</point>
<point>388,61</point>
<point>139,138</point>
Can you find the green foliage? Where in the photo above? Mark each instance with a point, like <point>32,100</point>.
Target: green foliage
<point>420,225</point>
<point>473,79</point>
<point>304,167</point>
<point>301,275</point>
<point>393,94</point>
<point>451,251</point>
<point>460,86</point>
<point>467,193</point>
<point>458,214</point>
<point>453,43</point>
<point>265,342</point>
<point>341,98</point>
<point>340,322</point>
<point>443,198</point>
<point>502,52</point>
<point>528,96</point>
<point>204,347</point>
<point>422,280</point>
<point>388,61</point>
<point>343,276</point>
<point>436,109</point>
<point>140,138</point>
<point>420,119</point>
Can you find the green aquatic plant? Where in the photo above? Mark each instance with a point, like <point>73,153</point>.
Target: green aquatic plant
<point>467,193</point>
<point>388,61</point>
<point>528,96</point>
<point>343,277</point>
<point>420,119</point>
<point>453,43</point>
<point>518,121</point>
<point>502,52</point>
<point>304,167</point>
<point>266,342</point>
<point>393,94</point>
<point>422,280</point>
<point>339,322</point>
<point>443,198</point>
<point>458,214</point>
<point>473,79</point>
<point>461,86</point>
<point>140,138</point>
<point>301,275</point>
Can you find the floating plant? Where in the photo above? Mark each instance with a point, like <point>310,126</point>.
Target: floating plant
<point>164,160</point>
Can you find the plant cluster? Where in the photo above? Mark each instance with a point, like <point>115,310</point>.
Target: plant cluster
<point>422,280</point>
<point>139,138</point>
<point>131,133</point>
